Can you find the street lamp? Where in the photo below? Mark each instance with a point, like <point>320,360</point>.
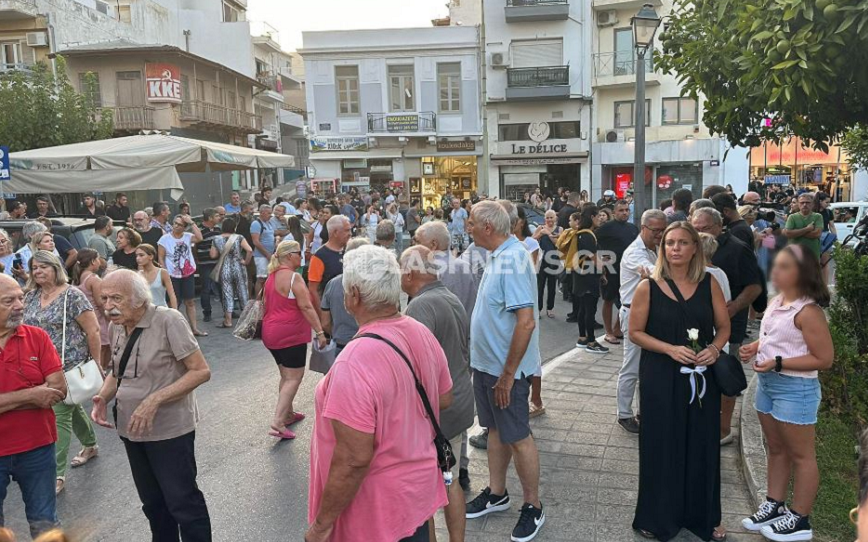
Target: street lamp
<point>645,25</point>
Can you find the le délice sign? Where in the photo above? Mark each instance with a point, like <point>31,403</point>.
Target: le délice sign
<point>538,148</point>
<point>163,83</point>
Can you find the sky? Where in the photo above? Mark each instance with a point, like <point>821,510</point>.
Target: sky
<point>292,17</point>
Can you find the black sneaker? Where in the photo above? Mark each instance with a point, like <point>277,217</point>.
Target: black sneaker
<point>630,425</point>
<point>596,348</point>
<point>790,528</point>
<point>598,325</point>
<point>486,503</point>
<point>769,512</point>
<point>464,479</point>
<point>480,441</point>
<point>529,523</point>
<point>208,317</point>
<point>582,344</point>
<point>572,319</point>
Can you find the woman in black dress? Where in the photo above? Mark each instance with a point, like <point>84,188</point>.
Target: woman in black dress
<point>679,440</point>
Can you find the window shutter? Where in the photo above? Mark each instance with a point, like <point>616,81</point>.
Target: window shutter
<point>539,53</point>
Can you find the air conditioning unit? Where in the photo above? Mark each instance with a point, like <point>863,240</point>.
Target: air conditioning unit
<point>607,18</point>
<point>613,136</point>
<point>499,60</point>
<point>37,39</point>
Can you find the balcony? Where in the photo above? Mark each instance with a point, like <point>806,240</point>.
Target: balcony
<point>20,66</point>
<point>601,5</point>
<point>618,70</point>
<point>543,83</point>
<point>217,117</point>
<point>402,123</point>
<point>11,10</point>
<point>522,11</point>
<point>132,119</point>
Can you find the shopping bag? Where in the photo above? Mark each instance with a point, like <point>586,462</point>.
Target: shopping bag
<point>249,325</point>
<point>322,360</point>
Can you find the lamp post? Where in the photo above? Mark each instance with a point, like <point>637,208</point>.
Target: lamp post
<point>644,25</point>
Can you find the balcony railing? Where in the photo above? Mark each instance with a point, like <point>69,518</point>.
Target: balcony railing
<point>522,11</point>
<point>271,82</point>
<point>20,66</point>
<point>617,64</point>
<point>133,118</point>
<point>551,76</point>
<point>402,122</point>
<point>221,117</point>
<point>18,9</point>
<point>532,3</point>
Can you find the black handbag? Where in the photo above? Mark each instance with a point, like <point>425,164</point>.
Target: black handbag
<point>445,456</point>
<point>728,371</point>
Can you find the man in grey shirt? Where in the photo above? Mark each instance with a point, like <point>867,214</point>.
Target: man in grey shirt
<point>336,321</point>
<point>455,273</point>
<point>100,242</point>
<point>438,309</point>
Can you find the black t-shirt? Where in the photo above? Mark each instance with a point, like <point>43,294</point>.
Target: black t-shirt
<point>739,263</point>
<point>564,216</point>
<point>49,214</point>
<point>116,212</point>
<point>122,259</point>
<point>243,228</point>
<point>203,247</point>
<point>741,231</point>
<point>152,236</point>
<point>84,211</point>
<point>617,236</point>
<point>333,265</point>
<point>63,246</point>
<point>827,218</point>
<point>586,278</point>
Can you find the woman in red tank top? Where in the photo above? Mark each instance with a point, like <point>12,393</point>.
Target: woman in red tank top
<point>286,330</point>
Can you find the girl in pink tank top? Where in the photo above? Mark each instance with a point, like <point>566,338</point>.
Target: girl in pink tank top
<point>794,344</point>
<point>289,320</point>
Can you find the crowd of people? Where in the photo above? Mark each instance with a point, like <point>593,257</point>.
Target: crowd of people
<point>681,290</point>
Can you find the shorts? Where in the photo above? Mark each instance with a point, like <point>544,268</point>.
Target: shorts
<point>789,399</point>
<point>513,422</point>
<point>456,451</point>
<point>611,291</point>
<point>261,266</point>
<point>291,357</point>
<point>185,288</point>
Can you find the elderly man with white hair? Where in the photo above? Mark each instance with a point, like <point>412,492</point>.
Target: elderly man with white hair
<point>455,273</point>
<point>327,263</point>
<point>155,367</point>
<point>504,355</point>
<point>372,440</point>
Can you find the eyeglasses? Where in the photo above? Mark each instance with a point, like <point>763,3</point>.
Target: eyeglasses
<point>854,515</point>
<point>179,224</point>
<point>656,231</point>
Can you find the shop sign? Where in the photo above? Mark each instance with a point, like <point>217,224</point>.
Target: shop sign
<point>777,179</point>
<point>536,161</point>
<point>325,144</point>
<point>538,149</point>
<point>163,83</point>
<point>4,163</point>
<point>402,123</point>
<point>448,146</point>
<point>381,168</point>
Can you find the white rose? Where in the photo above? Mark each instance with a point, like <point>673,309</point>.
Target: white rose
<point>693,334</point>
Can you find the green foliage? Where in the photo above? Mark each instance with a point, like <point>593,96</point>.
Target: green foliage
<point>855,142</point>
<point>41,110</point>
<point>839,484</point>
<point>802,62</point>
<point>845,386</point>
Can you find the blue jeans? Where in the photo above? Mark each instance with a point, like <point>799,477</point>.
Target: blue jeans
<point>34,472</point>
<point>209,288</point>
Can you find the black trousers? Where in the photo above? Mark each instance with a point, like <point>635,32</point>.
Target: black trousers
<point>165,475</point>
<point>546,278</point>
<point>585,308</point>
<point>421,535</point>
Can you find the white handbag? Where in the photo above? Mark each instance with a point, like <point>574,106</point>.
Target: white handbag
<point>85,379</point>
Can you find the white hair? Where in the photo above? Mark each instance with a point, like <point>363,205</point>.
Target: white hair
<point>356,242</point>
<point>138,288</point>
<point>375,273</point>
<point>385,230</point>
<point>32,228</point>
<point>511,210</point>
<point>492,213</point>
<point>653,214</point>
<point>420,259</point>
<point>336,222</point>
<point>713,214</point>
<point>434,231</point>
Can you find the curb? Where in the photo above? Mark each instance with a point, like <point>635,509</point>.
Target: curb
<point>752,446</point>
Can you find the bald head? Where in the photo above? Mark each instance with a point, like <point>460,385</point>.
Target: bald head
<point>418,269</point>
<point>434,235</point>
<point>751,198</point>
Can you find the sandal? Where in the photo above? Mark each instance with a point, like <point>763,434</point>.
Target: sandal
<point>85,455</point>
<point>224,325</point>
<point>550,314</point>
<point>297,417</point>
<point>200,333</point>
<point>536,411</point>
<point>611,339</point>
<point>647,534</point>
<point>286,434</point>
<point>719,536</point>
<point>59,485</point>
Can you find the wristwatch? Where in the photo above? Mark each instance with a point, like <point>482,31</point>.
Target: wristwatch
<point>779,364</point>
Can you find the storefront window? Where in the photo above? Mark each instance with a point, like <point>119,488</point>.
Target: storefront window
<point>366,175</point>
<point>457,174</point>
<point>670,178</point>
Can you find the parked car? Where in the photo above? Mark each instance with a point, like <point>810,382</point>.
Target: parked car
<point>76,230</point>
<point>855,209</point>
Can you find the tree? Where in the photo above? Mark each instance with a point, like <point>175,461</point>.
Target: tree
<point>855,142</point>
<point>801,64</point>
<point>41,110</point>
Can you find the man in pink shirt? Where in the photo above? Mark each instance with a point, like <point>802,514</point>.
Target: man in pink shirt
<point>373,444</point>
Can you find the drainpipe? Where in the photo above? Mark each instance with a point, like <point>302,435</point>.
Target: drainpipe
<point>486,156</point>
<point>52,46</point>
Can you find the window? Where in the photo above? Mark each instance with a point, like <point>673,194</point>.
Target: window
<point>125,14</point>
<point>10,55</point>
<point>625,116</point>
<point>537,53</point>
<point>185,88</point>
<point>348,89</point>
<point>231,14</point>
<point>680,111</point>
<point>401,88</point>
<point>130,89</point>
<point>88,84</point>
<point>449,80</point>
<point>216,95</point>
<point>230,100</point>
<point>200,90</point>
<point>559,130</point>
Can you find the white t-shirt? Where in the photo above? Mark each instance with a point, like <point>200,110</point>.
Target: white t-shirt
<point>531,244</point>
<point>179,255</point>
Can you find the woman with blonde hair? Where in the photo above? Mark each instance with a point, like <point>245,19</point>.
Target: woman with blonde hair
<point>286,330</point>
<point>679,439</point>
<point>158,279</point>
<point>86,278</point>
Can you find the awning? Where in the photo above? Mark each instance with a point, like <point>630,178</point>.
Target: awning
<point>139,162</point>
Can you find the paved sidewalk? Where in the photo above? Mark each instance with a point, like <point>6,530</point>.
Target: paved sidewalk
<point>589,465</point>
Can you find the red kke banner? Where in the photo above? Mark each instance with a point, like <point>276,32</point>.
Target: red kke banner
<point>163,83</point>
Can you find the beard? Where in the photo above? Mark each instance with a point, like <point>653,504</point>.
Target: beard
<point>15,320</point>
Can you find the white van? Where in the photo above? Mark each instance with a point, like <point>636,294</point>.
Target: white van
<point>847,215</point>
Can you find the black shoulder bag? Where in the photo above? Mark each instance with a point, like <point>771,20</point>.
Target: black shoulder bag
<point>445,457</point>
<point>122,367</point>
<point>727,370</point>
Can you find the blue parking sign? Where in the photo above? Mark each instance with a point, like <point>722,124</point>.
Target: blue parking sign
<point>4,163</point>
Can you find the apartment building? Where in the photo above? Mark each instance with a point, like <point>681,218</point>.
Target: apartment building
<point>293,115</point>
<point>537,93</point>
<point>395,109</point>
